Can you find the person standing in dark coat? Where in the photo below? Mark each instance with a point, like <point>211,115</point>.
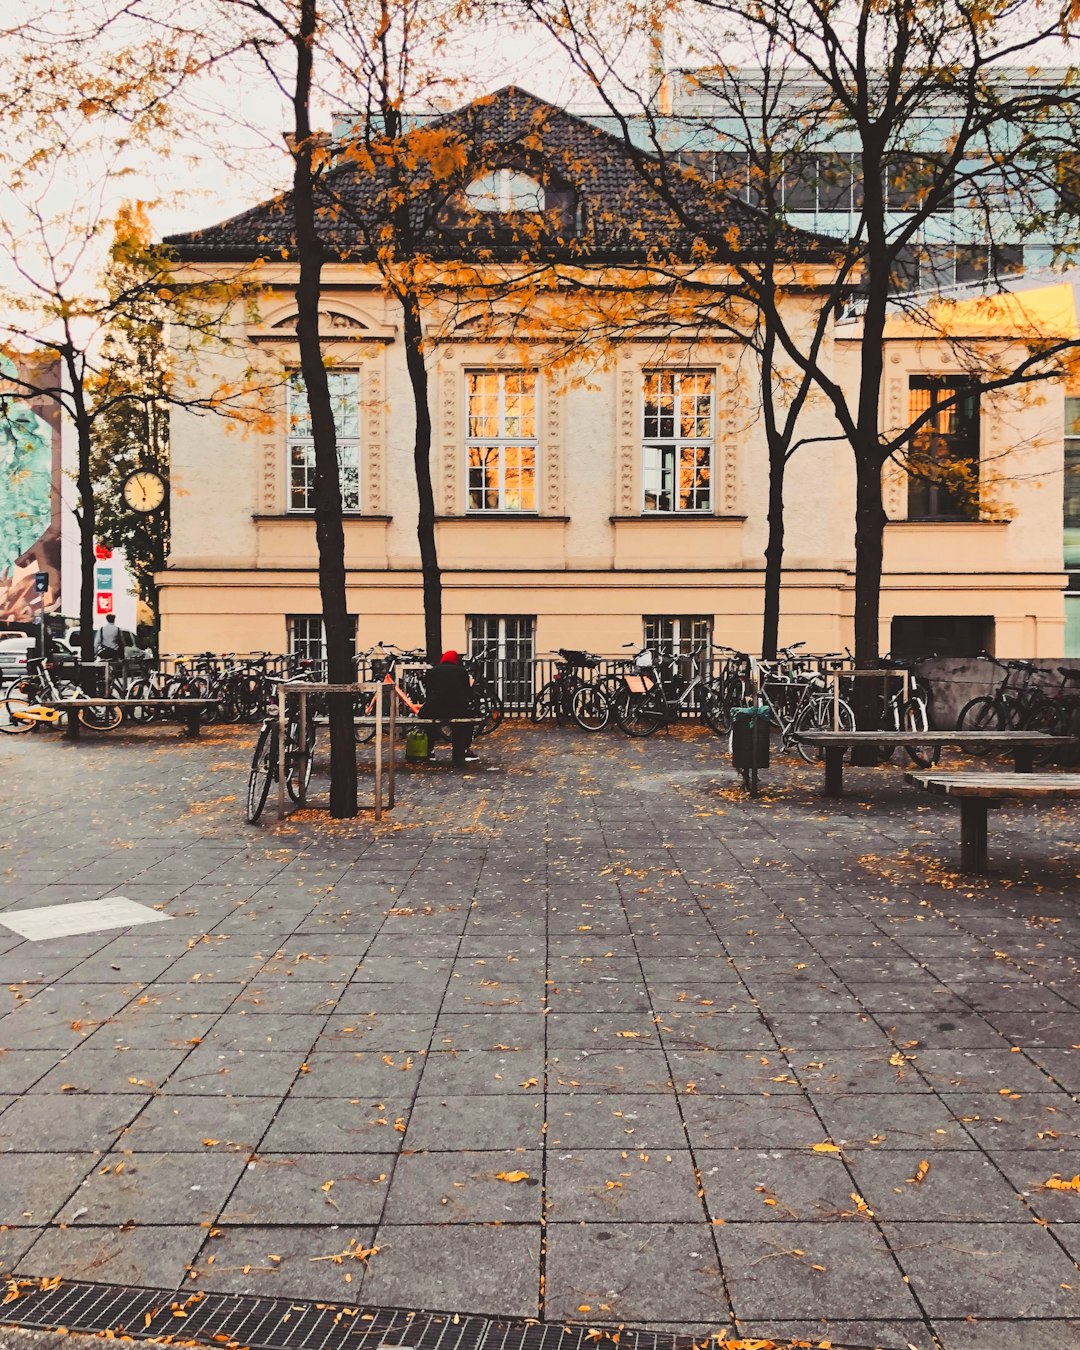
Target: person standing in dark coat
<point>449,697</point>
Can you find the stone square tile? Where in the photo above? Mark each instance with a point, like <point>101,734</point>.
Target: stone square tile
<point>235,1073</point>
<point>630,1185</point>
<point>589,1031</point>
<point>1019,995</point>
<point>827,1031</point>
<point>943,1031</point>
<point>615,1121</point>
<point>68,1123</point>
<point>573,994</point>
<point>145,1187</point>
<point>1020,1120</point>
<point>357,1000</point>
<point>808,1270</point>
<point>1029,1170</point>
<point>473,1187</point>
<point>33,1186</point>
<point>994,1270</point>
<point>710,1072</point>
<point>633,1272</point>
<point>489,1031</point>
<point>310,1188</point>
<point>907,996</point>
<point>979,1333</point>
<point>955,1186</point>
<point>387,1033</point>
<point>275,996</point>
<point>704,1029</point>
<point>364,1073</point>
<point>144,1028</point>
<point>156,1256</point>
<point>630,1070</point>
<point>344,1125</point>
<point>14,1244</point>
<point>446,1073</point>
<point>1058,1029</point>
<point>1063,1066</point>
<point>185,998</point>
<point>783,1121</point>
<point>891,1121</point>
<point>291,1261</point>
<point>174,1124</point>
<point>822,1072</point>
<point>981,1071</point>
<point>88,1070</point>
<point>475,1122</point>
<point>21,1069</point>
<point>493,995</point>
<point>774,1185</point>
<point>292,1032</point>
<point>843,1332</point>
<point>471,1267</point>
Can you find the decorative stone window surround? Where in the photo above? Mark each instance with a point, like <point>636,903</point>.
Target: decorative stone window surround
<point>448,431</point>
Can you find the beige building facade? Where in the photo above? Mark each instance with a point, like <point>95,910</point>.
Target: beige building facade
<point>594,505</point>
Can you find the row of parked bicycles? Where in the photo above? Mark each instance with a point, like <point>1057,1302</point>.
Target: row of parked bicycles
<point>803,693</point>
<point>1022,701</point>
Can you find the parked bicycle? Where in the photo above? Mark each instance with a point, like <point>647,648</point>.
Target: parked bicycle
<point>295,758</point>
<point>660,687</point>
<point>800,700</point>
<point>1010,705</point>
<point>570,696</point>
<point>401,680</point>
<point>25,700</point>
<point>911,713</point>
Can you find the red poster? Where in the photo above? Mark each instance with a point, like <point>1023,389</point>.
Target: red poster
<point>104,602</point>
<point>101,553</point>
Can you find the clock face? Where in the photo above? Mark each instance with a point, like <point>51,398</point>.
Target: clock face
<point>144,490</point>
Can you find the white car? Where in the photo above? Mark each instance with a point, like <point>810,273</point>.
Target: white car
<point>14,649</point>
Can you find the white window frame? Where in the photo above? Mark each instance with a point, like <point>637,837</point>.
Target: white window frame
<point>504,190</point>
<point>664,448</point>
<point>309,642</point>
<point>502,444</point>
<point>348,447</point>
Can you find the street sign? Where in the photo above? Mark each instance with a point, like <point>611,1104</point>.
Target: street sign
<point>104,602</point>
<point>41,582</point>
<point>102,553</point>
<point>103,579</point>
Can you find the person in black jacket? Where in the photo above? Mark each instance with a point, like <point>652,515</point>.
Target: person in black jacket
<point>449,697</point>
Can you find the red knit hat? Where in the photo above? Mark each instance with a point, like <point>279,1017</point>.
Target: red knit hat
<point>450,659</point>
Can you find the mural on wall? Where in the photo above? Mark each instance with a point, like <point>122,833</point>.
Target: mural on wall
<point>29,492</point>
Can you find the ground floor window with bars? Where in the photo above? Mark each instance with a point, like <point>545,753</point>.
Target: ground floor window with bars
<point>680,634</point>
<point>505,645</point>
<point>307,638</point>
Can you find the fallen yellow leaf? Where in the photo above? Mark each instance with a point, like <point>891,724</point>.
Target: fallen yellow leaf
<point>1057,1184</point>
<point>825,1147</point>
<point>511,1176</point>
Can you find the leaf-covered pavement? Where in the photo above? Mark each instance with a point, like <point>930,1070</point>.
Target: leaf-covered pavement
<point>583,1034</point>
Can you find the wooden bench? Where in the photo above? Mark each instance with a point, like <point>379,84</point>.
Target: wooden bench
<point>192,709</point>
<point>1023,746</point>
<point>979,791</point>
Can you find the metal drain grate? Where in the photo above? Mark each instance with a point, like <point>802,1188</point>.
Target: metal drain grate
<point>253,1322</point>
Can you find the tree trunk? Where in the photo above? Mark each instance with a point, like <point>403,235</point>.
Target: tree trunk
<point>869,540</point>
<point>425,523</point>
<point>329,531</point>
<point>774,556</point>
<point>86,512</point>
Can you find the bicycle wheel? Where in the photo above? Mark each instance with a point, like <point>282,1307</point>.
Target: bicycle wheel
<point>298,763</point>
<point>639,715</point>
<point>590,708</point>
<point>16,698</point>
<point>916,719</point>
<point>980,714</point>
<point>545,703</point>
<point>489,709</point>
<point>716,708</point>
<point>103,717</point>
<point>362,731</point>
<point>818,715</point>
<point>263,771</point>
<point>143,716</point>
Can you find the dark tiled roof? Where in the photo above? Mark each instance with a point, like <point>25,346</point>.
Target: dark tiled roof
<point>603,207</point>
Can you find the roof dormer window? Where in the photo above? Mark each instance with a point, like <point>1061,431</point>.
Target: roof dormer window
<point>505,190</point>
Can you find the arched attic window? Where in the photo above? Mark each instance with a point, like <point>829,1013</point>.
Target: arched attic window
<point>505,190</point>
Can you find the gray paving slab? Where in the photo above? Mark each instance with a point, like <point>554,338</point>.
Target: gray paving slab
<point>598,1002</point>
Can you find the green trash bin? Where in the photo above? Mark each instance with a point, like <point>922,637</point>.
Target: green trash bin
<point>416,746</point>
<point>750,742</point>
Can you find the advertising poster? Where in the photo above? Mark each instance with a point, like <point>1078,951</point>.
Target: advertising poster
<point>29,492</point>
